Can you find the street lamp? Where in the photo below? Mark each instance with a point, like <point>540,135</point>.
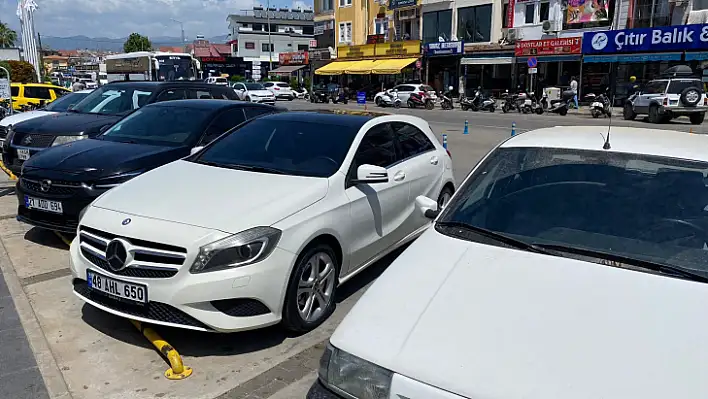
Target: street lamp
<point>181,26</point>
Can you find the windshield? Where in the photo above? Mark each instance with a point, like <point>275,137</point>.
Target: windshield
<point>292,147</point>
<point>159,125</point>
<point>649,208</point>
<point>175,67</point>
<point>254,86</point>
<point>63,103</point>
<point>677,86</point>
<point>655,87</point>
<point>113,100</point>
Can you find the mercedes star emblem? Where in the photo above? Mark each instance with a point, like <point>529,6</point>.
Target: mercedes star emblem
<point>116,255</point>
<point>45,185</point>
<point>126,222</point>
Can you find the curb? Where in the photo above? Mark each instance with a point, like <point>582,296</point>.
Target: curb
<point>47,364</point>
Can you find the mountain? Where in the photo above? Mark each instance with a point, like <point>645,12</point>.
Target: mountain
<point>109,44</point>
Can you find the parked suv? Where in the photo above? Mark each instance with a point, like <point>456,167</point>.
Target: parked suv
<point>281,90</point>
<point>100,109</point>
<point>668,98</point>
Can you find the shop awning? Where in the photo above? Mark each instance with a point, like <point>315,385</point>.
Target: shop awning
<point>361,67</point>
<point>696,56</point>
<point>334,68</point>
<point>392,66</point>
<point>286,69</point>
<point>485,60</point>
<point>633,57</point>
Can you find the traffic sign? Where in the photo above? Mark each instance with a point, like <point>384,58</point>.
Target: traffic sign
<point>532,62</point>
<point>533,70</point>
<point>4,88</point>
<point>361,97</point>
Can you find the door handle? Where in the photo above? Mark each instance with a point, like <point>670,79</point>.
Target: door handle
<point>399,176</point>
<point>434,160</point>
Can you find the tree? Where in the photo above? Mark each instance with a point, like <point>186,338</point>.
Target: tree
<point>137,42</point>
<point>8,37</point>
<point>20,71</point>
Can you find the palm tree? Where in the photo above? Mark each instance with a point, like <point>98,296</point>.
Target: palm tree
<point>8,37</point>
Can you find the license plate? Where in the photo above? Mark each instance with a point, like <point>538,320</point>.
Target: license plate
<point>23,154</point>
<point>117,288</point>
<point>43,205</point>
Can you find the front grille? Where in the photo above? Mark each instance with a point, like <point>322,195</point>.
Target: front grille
<point>3,132</point>
<point>148,257</point>
<point>240,307</point>
<point>58,187</point>
<point>60,222</point>
<point>33,140</point>
<point>156,311</point>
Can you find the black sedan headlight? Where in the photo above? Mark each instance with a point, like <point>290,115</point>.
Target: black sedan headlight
<point>353,377</point>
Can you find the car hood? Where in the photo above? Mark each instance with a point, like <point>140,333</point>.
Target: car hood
<point>489,322</point>
<point>100,158</point>
<point>212,197</point>
<point>262,93</point>
<point>66,123</point>
<point>23,116</point>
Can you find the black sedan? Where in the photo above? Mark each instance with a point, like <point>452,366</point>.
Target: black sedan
<point>57,184</point>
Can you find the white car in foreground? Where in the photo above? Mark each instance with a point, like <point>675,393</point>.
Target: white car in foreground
<point>263,224</point>
<point>561,268</point>
<point>254,92</point>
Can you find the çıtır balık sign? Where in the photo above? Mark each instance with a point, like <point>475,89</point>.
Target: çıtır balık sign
<point>665,38</point>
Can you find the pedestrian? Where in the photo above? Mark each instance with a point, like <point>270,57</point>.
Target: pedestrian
<point>78,85</point>
<point>574,89</point>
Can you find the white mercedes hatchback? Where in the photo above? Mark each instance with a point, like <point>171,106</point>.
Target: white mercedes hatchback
<point>565,266</point>
<point>262,225</point>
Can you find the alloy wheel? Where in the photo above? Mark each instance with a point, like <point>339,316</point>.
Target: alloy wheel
<point>315,287</point>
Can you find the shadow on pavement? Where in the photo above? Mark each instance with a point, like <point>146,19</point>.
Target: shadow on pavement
<point>7,191</point>
<point>46,238</point>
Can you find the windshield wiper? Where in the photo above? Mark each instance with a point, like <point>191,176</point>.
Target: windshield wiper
<point>254,168</point>
<point>510,241</point>
<point>645,264</point>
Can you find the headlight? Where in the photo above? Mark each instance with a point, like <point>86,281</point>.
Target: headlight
<point>10,135</point>
<point>117,180</point>
<point>353,377</point>
<point>241,249</point>
<point>67,139</point>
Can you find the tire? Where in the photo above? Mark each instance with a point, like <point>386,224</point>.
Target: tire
<point>444,197</point>
<point>345,101</point>
<point>654,114</point>
<point>397,104</point>
<point>410,104</point>
<point>539,110</point>
<point>247,99</point>
<point>697,118</point>
<point>464,107</point>
<point>378,101</point>
<point>326,100</point>
<point>690,97</point>
<point>492,108</point>
<point>429,105</point>
<point>628,112</point>
<point>595,114</point>
<point>563,111</point>
<point>504,108</point>
<point>294,309</point>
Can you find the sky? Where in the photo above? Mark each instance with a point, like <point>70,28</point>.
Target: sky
<point>118,18</point>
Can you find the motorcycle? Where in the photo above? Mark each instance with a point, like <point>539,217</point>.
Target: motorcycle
<point>302,94</point>
<point>531,105</point>
<point>478,102</point>
<point>446,99</point>
<point>339,96</point>
<point>389,98</point>
<point>601,106</point>
<point>561,106</point>
<point>421,99</point>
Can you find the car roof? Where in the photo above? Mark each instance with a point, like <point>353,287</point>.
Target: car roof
<point>38,85</point>
<point>213,104</point>
<point>634,140</point>
<point>153,84</point>
<point>323,117</point>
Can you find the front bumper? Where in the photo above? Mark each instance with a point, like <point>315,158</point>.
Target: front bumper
<point>12,162</point>
<point>319,391</point>
<point>237,299</point>
<point>287,96</point>
<point>263,100</point>
<point>73,196</point>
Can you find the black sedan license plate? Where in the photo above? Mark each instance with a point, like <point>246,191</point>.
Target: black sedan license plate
<point>116,288</point>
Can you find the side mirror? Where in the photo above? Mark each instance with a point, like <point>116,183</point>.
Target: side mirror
<point>427,206</point>
<point>196,149</point>
<point>368,174</point>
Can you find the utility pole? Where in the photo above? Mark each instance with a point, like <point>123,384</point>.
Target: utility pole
<point>270,42</point>
<point>181,26</point>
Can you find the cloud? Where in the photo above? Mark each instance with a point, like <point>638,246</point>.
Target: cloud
<point>118,18</point>
<point>299,4</point>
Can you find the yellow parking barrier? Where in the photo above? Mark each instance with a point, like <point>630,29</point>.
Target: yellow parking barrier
<point>63,238</point>
<point>177,370</point>
<point>7,171</point>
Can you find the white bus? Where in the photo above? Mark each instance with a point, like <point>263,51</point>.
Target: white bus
<point>152,65</point>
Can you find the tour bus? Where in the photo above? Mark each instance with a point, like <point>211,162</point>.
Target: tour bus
<point>152,65</point>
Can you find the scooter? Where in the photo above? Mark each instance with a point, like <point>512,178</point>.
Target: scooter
<point>421,99</point>
<point>561,106</point>
<point>302,94</point>
<point>339,96</point>
<point>531,105</point>
<point>389,98</point>
<point>479,102</point>
<point>601,106</point>
<point>446,99</point>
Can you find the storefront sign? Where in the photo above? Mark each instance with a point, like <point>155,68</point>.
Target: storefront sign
<point>569,45</point>
<point>313,43</point>
<point>212,59</point>
<point>510,14</point>
<point>587,11</point>
<point>364,51</point>
<point>666,38</point>
<point>444,48</point>
<point>373,39</point>
<point>395,4</point>
<point>294,58</point>
<point>320,54</point>
<point>398,49</point>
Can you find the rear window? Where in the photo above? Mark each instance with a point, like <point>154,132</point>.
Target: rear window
<point>221,80</point>
<point>677,86</point>
<point>14,91</point>
<point>426,88</point>
<point>283,85</point>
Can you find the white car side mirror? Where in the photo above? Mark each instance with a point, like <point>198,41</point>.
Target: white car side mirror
<point>368,174</point>
<point>428,207</point>
<point>196,149</point>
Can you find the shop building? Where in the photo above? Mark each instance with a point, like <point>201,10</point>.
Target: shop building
<point>216,59</point>
<point>442,64</point>
<point>322,49</point>
<point>292,65</point>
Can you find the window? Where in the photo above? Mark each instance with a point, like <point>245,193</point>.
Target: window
<point>345,3</point>
<point>474,24</point>
<point>345,32</point>
<point>14,91</point>
<point>60,92</point>
<point>264,47</point>
<point>437,24</point>
<point>505,9</point>
<point>411,140</point>
<point>535,12</point>
<point>223,123</point>
<point>200,94</point>
<point>114,100</point>
<point>544,12</point>
<point>655,87</point>
<point>302,47</point>
<point>405,88</point>
<point>327,5</point>
<point>530,13</point>
<point>258,27</point>
<point>62,104</point>
<point>250,46</point>
<point>41,93</point>
<point>252,112</point>
<point>376,148</point>
<point>173,94</point>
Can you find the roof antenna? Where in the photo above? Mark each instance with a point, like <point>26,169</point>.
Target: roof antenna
<point>607,146</point>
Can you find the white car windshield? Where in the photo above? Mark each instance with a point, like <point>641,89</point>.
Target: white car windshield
<point>282,146</point>
<point>113,100</point>
<point>641,207</point>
